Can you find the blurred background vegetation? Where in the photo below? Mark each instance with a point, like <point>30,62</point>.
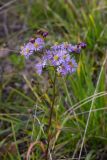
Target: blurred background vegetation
<point>81,105</point>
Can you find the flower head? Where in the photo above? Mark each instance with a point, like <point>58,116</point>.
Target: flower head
<point>38,44</point>
<point>67,67</point>
<point>82,45</point>
<point>33,45</point>
<point>69,47</point>
<point>40,65</point>
<point>27,50</point>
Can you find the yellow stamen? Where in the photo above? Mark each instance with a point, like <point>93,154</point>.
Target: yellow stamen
<point>36,44</point>
<point>56,57</point>
<point>27,50</point>
<point>64,56</point>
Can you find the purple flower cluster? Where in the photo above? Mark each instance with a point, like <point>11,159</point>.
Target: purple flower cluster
<point>33,45</point>
<point>69,47</point>
<point>58,56</point>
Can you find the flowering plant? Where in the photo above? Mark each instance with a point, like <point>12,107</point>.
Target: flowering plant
<point>60,57</point>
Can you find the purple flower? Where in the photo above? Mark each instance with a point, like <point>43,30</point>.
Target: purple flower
<point>56,46</point>
<point>39,68</point>
<point>67,67</point>
<point>59,57</point>
<point>40,65</point>
<point>82,45</point>
<point>38,44</point>
<point>62,46</point>
<point>69,47</point>
<point>45,34</point>
<point>56,57</point>
<point>48,56</point>
<point>76,48</point>
<point>33,45</point>
<point>73,48</point>
<point>27,50</point>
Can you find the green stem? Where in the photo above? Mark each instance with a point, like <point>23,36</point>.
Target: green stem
<point>50,117</point>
